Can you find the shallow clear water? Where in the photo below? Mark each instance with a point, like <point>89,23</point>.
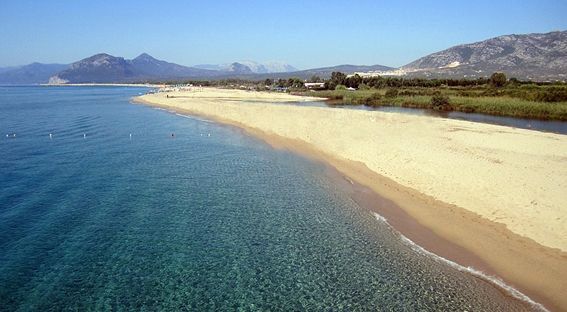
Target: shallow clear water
<point>92,219</point>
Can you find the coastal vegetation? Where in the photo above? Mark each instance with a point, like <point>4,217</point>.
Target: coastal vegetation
<point>452,99</point>
<point>495,95</point>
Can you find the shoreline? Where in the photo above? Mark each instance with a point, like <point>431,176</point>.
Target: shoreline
<point>411,231</point>
<point>438,227</point>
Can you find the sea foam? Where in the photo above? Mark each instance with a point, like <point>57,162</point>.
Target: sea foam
<point>492,279</point>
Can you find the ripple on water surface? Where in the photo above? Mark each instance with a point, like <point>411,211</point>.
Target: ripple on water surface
<point>191,222</point>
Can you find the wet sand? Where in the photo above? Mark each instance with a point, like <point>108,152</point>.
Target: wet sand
<point>445,229</point>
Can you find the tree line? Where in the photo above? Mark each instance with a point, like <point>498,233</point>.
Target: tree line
<point>355,81</point>
<point>377,82</point>
<point>495,85</point>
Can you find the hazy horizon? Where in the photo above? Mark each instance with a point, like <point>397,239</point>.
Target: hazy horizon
<point>304,35</point>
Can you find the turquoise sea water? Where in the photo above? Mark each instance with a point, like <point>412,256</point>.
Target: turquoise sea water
<point>206,219</point>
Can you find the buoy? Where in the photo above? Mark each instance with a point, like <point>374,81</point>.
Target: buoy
<point>130,136</point>
<point>51,136</point>
<point>7,135</point>
<point>14,135</point>
<point>84,135</point>
<point>209,134</point>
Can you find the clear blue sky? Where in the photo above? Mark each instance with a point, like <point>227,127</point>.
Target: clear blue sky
<point>303,33</point>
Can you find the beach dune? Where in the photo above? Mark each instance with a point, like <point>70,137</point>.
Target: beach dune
<point>498,191</point>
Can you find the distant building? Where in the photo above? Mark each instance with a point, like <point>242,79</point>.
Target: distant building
<point>279,89</point>
<point>314,85</point>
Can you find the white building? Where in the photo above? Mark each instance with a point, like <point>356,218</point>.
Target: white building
<point>314,85</point>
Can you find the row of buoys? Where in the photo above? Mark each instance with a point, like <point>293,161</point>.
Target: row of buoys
<point>13,135</point>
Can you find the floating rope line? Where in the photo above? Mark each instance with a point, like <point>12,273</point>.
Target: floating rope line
<point>130,135</point>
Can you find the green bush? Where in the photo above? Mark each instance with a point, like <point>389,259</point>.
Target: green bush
<point>340,87</point>
<point>498,80</point>
<point>440,102</point>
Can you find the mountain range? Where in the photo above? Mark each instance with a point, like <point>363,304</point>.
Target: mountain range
<point>103,67</point>
<point>529,56</point>
<point>255,67</point>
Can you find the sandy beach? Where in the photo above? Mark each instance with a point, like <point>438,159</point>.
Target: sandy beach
<point>497,192</point>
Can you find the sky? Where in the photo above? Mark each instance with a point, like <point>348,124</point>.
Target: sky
<point>305,34</point>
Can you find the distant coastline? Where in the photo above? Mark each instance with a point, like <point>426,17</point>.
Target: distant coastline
<point>530,267</point>
<point>150,85</point>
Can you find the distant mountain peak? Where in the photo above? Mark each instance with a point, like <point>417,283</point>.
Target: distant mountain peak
<point>98,56</point>
<point>239,68</point>
<point>101,67</point>
<point>268,67</point>
<point>255,67</point>
<point>145,57</point>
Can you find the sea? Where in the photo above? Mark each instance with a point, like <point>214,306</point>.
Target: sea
<point>107,205</point>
